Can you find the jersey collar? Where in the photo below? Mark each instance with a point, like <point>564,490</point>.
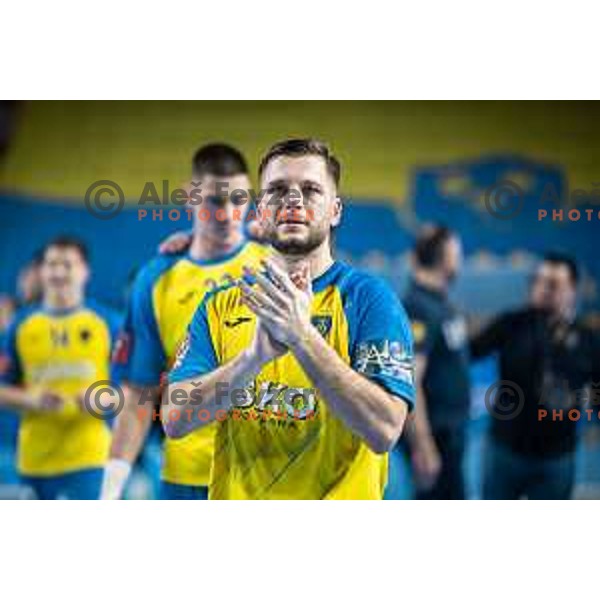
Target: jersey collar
<point>221,259</point>
<point>60,312</point>
<point>327,278</point>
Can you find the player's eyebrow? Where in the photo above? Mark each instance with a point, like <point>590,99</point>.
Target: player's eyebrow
<point>312,182</point>
<point>277,183</point>
<point>286,182</point>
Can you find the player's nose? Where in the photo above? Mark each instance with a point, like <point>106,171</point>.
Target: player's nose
<point>293,198</point>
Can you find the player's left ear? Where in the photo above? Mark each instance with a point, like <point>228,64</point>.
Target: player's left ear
<point>336,212</point>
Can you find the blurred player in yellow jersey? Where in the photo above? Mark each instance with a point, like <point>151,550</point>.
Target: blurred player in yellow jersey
<point>311,387</point>
<point>56,350</point>
<point>163,300</point>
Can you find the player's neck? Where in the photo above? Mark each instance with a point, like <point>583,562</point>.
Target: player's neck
<point>55,301</point>
<point>318,261</point>
<point>431,280</point>
<point>210,248</point>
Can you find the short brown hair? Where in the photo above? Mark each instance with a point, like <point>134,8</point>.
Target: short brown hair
<point>67,241</point>
<point>303,147</point>
<point>220,160</point>
<point>430,243</point>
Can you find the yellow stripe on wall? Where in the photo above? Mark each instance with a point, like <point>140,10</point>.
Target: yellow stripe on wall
<point>60,148</point>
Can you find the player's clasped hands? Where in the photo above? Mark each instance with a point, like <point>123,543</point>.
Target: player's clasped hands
<point>46,401</point>
<point>282,303</point>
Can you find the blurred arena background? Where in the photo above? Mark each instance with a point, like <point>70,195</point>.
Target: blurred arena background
<point>405,164</point>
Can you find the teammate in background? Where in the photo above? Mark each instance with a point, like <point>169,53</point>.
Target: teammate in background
<point>552,358</point>
<point>53,353</point>
<point>180,240</point>
<point>322,351</point>
<point>436,435</point>
<point>164,297</point>
<point>29,283</point>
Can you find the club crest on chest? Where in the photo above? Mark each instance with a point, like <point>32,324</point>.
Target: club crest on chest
<point>322,323</point>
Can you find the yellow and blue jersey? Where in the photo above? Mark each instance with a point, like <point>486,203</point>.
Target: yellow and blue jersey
<point>282,440</point>
<point>164,298</point>
<point>63,352</point>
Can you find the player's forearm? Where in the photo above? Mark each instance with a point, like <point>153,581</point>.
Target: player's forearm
<point>192,404</point>
<point>133,423</point>
<point>16,398</point>
<point>365,407</point>
<point>129,433</point>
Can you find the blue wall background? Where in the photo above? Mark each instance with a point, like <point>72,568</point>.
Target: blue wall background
<point>375,234</point>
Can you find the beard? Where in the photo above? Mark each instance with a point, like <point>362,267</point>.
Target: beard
<point>294,246</point>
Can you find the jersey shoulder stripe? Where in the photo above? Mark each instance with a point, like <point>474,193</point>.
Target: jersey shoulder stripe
<point>152,271</point>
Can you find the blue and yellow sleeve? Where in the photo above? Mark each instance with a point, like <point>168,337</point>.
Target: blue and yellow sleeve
<point>139,357</point>
<point>196,355</point>
<point>114,323</point>
<point>381,341</point>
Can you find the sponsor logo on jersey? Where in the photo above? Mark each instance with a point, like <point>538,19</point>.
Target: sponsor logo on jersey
<point>385,357</point>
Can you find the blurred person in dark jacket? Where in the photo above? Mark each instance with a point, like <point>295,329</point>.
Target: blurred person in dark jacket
<point>547,360</point>
<point>436,434</point>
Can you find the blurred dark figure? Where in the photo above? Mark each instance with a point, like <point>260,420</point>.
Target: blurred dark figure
<point>436,434</point>
<point>552,359</point>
